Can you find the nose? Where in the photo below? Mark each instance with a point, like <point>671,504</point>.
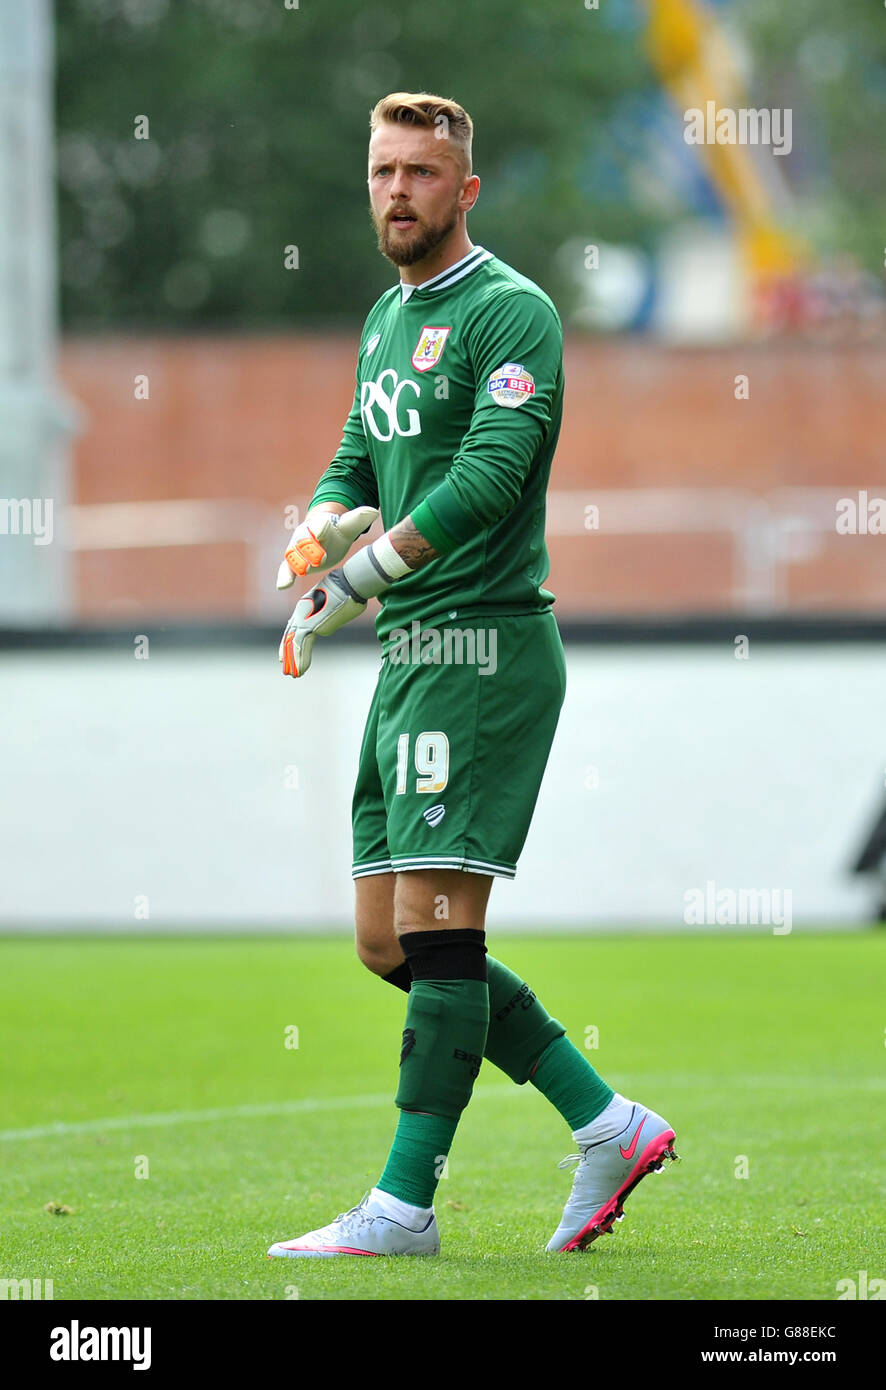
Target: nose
<point>399,184</point>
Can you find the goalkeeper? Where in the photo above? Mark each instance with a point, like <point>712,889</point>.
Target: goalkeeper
<point>450,438</point>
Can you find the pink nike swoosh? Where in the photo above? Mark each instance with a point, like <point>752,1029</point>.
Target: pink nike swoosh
<point>629,1153</point>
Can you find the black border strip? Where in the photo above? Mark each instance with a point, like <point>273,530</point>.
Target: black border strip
<point>697,628</point>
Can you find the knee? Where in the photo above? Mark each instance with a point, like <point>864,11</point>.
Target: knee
<point>379,959</point>
<point>376,944</point>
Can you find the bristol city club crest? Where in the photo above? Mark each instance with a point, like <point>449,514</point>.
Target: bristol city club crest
<point>429,349</point>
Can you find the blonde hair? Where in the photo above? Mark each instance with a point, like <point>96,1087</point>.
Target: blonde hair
<point>439,114</point>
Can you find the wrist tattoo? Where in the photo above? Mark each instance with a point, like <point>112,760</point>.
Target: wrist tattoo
<point>411,544</point>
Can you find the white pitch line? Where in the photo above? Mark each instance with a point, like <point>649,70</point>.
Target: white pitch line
<point>309,1106</point>
<point>313,1105</point>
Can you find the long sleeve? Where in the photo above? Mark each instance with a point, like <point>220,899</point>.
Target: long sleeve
<point>517,352</point>
<point>350,478</point>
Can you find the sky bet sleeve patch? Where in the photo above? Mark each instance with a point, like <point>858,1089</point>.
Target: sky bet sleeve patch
<point>511,385</point>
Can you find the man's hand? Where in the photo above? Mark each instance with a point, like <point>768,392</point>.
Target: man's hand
<point>337,599</point>
<point>322,540</point>
<point>318,613</point>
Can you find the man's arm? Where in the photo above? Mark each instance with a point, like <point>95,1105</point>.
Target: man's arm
<point>348,488</point>
<point>517,355</point>
<point>487,475</point>
<point>337,508</point>
<point>412,547</point>
<point>344,593</point>
<point>350,480</point>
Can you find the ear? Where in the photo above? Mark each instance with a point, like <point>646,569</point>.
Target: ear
<point>469,194</point>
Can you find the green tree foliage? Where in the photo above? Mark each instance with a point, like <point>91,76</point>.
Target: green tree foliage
<point>258,130</point>
<point>257,117</point>
<point>827,62</point>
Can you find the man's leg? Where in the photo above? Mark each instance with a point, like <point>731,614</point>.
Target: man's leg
<point>439,919</point>
<point>522,1040</point>
<point>447,1017</point>
<point>619,1141</point>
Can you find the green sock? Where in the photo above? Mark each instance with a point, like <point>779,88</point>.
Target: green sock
<point>571,1084</point>
<point>417,1158</point>
<point>528,1045</point>
<point>520,1027</point>
<point>443,1041</point>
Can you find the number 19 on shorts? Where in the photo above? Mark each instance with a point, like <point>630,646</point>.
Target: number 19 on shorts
<point>431,755</point>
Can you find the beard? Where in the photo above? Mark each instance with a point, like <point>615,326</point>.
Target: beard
<point>415,245</point>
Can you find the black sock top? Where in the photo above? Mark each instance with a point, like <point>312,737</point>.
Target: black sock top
<point>456,953</point>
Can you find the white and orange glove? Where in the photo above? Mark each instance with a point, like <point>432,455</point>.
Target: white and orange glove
<point>338,598</point>
<point>322,541</point>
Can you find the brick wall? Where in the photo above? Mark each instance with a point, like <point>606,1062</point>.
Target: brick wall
<point>256,419</point>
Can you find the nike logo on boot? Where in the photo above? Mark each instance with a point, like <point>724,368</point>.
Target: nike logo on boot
<point>629,1152</point>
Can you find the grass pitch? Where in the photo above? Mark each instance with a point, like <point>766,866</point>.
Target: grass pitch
<point>168,1057</point>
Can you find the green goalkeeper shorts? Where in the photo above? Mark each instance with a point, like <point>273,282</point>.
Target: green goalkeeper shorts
<point>455,745</point>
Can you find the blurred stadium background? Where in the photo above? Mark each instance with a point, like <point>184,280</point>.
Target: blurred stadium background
<point>186,259</point>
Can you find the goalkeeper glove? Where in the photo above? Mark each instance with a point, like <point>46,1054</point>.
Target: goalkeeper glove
<point>322,540</point>
<point>340,596</point>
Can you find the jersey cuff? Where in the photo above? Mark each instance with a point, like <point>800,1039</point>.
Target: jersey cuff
<point>443,520</point>
<point>334,493</point>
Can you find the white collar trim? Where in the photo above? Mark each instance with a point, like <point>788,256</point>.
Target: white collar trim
<point>476,255</point>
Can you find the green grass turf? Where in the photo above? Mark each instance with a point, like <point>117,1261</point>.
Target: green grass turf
<point>768,1047</point>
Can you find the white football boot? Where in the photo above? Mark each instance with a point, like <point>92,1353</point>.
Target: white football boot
<point>361,1231</point>
<point>608,1171</point>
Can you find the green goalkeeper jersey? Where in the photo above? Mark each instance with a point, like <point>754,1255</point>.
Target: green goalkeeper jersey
<point>455,420</point>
